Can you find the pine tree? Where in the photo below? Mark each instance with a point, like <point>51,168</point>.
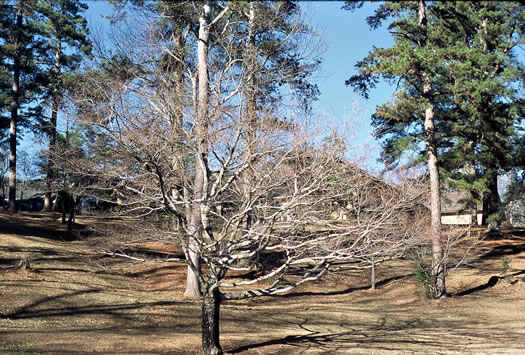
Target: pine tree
<point>477,106</point>
<point>20,43</point>
<point>67,34</point>
<point>483,104</point>
<point>465,58</point>
<point>415,63</point>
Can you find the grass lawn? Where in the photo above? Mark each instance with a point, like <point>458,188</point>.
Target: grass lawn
<point>73,299</point>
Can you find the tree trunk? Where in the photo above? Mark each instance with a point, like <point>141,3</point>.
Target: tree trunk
<point>2,196</point>
<point>22,189</point>
<point>52,132</point>
<point>210,319</point>
<point>201,169</point>
<point>15,94</point>
<point>251,114</point>
<point>65,206</point>
<point>491,199</point>
<point>193,288</point>
<point>438,262</point>
<point>373,275</point>
<point>72,204</point>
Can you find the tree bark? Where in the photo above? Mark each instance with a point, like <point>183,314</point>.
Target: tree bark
<point>15,95</point>
<point>201,167</point>
<point>2,196</point>
<point>65,206</point>
<point>210,319</point>
<point>193,288</point>
<point>438,262</point>
<point>72,204</point>
<point>373,275</point>
<point>250,128</point>
<point>52,131</point>
<point>491,199</point>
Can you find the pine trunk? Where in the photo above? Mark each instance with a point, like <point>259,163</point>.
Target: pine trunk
<point>210,319</point>
<point>48,205</point>
<point>15,95</point>
<point>491,199</point>
<point>71,218</point>
<point>438,262</point>
<point>52,132</point>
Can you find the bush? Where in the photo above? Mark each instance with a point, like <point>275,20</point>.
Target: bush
<point>426,281</point>
<point>504,268</point>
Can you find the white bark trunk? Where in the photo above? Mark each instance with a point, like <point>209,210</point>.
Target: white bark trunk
<point>201,173</point>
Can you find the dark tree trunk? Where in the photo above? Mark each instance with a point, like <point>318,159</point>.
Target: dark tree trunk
<point>15,95</point>
<point>72,205</point>
<point>373,275</point>
<point>52,132</point>
<point>491,199</point>
<point>210,319</point>
<point>64,198</point>
<point>51,157</point>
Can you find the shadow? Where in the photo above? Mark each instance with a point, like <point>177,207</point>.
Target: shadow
<point>28,311</point>
<point>490,283</point>
<point>345,291</point>
<point>335,342</point>
<point>519,232</point>
<point>522,272</point>
<point>29,225</point>
<point>148,253</point>
<point>155,270</point>
<point>502,250</point>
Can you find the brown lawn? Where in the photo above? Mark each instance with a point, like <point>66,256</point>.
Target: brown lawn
<point>73,299</point>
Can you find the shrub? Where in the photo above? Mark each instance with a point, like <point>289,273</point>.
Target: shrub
<point>426,281</point>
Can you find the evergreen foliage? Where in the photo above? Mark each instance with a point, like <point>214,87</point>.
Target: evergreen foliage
<point>477,80</point>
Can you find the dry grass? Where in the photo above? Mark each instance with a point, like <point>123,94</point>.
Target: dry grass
<point>74,300</point>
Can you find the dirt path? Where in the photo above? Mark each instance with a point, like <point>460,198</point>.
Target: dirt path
<point>74,300</point>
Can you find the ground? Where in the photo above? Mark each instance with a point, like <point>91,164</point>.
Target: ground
<point>73,299</point>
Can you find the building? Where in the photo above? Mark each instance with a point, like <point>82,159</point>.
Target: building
<point>457,207</point>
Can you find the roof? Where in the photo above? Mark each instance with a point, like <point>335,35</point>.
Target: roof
<point>456,202</point>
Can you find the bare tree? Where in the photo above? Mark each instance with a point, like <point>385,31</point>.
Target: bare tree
<point>298,181</point>
<point>196,178</point>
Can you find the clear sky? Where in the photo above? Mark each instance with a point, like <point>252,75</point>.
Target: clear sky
<point>347,39</point>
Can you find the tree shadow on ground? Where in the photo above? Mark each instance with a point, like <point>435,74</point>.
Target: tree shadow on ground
<point>39,226</point>
<point>345,291</point>
<point>493,280</point>
<point>503,250</point>
<point>490,283</point>
<point>340,341</point>
<point>29,311</point>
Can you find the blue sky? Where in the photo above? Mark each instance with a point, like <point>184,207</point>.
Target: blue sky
<point>347,40</point>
